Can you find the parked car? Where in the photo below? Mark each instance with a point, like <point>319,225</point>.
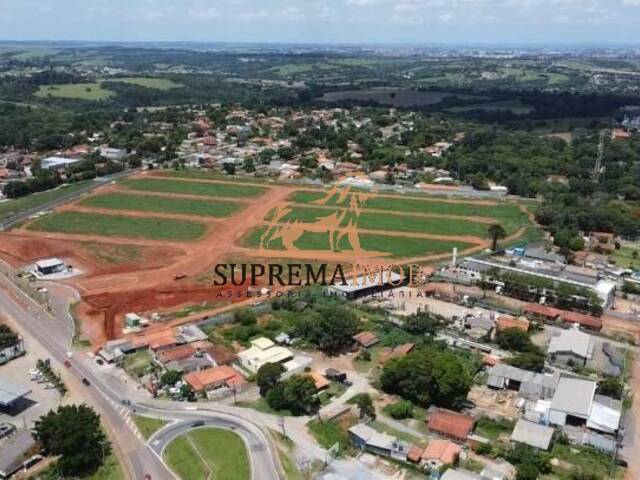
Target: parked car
<point>197,423</point>
<point>6,429</point>
<point>86,382</point>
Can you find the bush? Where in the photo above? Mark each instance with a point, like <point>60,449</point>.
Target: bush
<point>400,410</point>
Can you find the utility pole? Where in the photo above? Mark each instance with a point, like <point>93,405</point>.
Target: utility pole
<point>281,423</point>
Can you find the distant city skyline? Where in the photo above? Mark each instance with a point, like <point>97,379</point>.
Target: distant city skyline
<point>568,22</point>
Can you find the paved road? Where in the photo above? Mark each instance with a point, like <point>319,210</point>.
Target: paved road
<point>261,461</point>
<point>23,215</point>
<point>53,332</point>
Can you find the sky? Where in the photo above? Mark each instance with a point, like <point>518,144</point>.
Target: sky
<point>590,22</point>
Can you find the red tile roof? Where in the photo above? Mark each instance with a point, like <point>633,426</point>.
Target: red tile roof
<point>221,355</point>
<point>366,338</point>
<point>414,454</point>
<point>449,423</point>
<point>542,310</point>
<point>180,352</point>
<point>398,351</point>
<point>213,378</point>
<point>444,450</point>
<point>584,320</point>
<point>507,321</point>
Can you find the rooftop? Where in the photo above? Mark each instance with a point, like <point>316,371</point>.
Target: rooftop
<point>532,434</point>
<point>443,450</point>
<point>574,396</point>
<point>573,341</point>
<point>10,392</point>
<point>212,376</point>
<point>450,423</point>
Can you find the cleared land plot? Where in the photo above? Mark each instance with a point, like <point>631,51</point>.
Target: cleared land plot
<point>157,83</point>
<point>156,203</point>
<point>118,226</point>
<point>209,453</point>
<point>394,246</point>
<point>396,223</point>
<point>193,188</point>
<point>81,91</point>
<point>507,211</point>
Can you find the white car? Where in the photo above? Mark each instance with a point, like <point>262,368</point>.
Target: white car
<point>69,354</point>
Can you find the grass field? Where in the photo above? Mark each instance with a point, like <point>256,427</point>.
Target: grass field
<point>207,175</point>
<point>626,258</point>
<point>10,207</point>
<point>395,246</point>
<point>193,188</point>
<point>148,425</point>
<point>502,211</point>
<point>114,254</point>
<point>160,204</point>
<point>209,453</point>
<point>113,225</point>
<point>399,223</point>
<point>156,83</point>
<point>80,91</point>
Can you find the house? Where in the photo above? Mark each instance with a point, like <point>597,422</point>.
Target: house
<point>450,424</point>
<point>572,401</point>
<point>533,434</point>
<point>113,153</point>
<point>537,253</point>
<point>220,355</point>
<point>478,326</point>
<point>214,378</point>
<point>366,438</point>
<point>190,333</point>
<point>619,134</point>
<point>507,321</point>
<point>57,163</point>
<point>571,347</point>
<point>11,393</point>
<point>528,384</point>
<point>180,352</point>
<point>398,351</point>
<point>50,266</point>
<point>261,352</point>
<point>320,380</point>
<point>439,453</point>
<point>115,350</point>
<point>366,339</point>
<point>15,451</point>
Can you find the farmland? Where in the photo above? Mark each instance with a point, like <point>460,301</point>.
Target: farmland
<point>160,204</point>
<point>119,226</point>
<point>209,189</point>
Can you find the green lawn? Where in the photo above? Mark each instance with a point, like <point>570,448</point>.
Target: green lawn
<point>329,433</point>
<point>157,203</point>
<point>208,175</point>
<point>113,225</point>
<point>220,452</point>
<point>501,212</point>
<point>395,246</point>
<point>148,425</point>
<point>81,91</point>
<point>110,470</point>
<point>492,429</point>
<point>193,188</point>
<point>399,223</point>
<point>157,83</point>
<point>137,364</point>
<point>10,207</point>
<point>624,257</point>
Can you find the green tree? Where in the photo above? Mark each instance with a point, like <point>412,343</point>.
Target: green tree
<point>496,232</point>
<point>73,432</point>
<point>428,376</point>
<point>365,405</point>
<point>245,317</point>
<point>400,410</point>
<point>170,377</point>
<point>514,339</point>
<point>331,327</point>
<point>229,168</point>
<point>296,394</point>
<point>421,323</point>
<point>611,387</point>
<point>533,361</point>
<point>268,376</point>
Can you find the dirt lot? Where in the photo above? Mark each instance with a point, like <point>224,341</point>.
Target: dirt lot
<point>126,274</point>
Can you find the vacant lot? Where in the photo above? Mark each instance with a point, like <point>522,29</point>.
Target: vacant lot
<point>209,453</point>
<point>209,189</point>
<point>506,211</point>
<point>113,225</point>
<point>156,203</point>
<point>81,91</point>
<point>157,83</point>
<point>395,246</point>
<point>396,223</point>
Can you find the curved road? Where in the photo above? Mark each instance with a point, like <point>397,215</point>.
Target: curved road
<point>138,458</point>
